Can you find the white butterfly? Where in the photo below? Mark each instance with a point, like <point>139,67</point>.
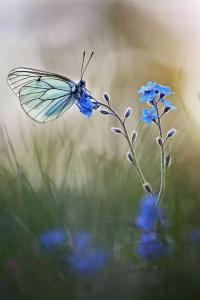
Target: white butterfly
<point>45,96</point>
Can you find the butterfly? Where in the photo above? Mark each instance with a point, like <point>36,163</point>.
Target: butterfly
<point>45,96</point>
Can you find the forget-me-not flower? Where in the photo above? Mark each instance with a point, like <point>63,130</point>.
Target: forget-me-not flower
<point>153,90</point>
<point>149,115</point>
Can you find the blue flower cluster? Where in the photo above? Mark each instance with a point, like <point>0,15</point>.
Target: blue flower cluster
<point>85,259</point>
<point>150,244</point>
<point>154,93</point>
<point>149,214</point>
<point>86,105</point>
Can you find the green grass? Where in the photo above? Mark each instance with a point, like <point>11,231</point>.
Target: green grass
<point>48,182</point>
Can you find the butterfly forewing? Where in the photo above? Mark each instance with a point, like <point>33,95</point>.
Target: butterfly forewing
<point>44,96</point>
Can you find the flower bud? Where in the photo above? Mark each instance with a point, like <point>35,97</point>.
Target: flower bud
<point>147,187</point>
<point>159,141</point>
<point>106,97</point>
<point>130,157</point>
<point>116,130</point>
<point>171,132</point>
<point>105,112</point>
<point>133,136</point>
<point>166,109</point>
<point>128,112</point>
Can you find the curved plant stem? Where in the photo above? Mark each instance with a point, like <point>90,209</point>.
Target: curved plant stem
<point>162,158</point>
<point>132,150</point>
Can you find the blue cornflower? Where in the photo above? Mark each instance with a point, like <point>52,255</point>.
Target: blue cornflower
<point>151,246</point>
<point>149,115</point>
<point>85,259</point>
<point>152,90</point>
<point>149,214</point>
<point>52,238</point>
<point>85,104</point>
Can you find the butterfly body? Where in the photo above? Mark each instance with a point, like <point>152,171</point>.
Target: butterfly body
<point>45,96</point>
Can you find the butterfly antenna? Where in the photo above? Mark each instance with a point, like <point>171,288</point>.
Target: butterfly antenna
<point>82,64</point>
<point>87,64</point>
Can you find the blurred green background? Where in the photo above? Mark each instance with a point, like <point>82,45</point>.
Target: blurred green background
<point>73,173</point>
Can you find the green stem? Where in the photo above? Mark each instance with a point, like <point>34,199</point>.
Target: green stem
<point>162,158</point>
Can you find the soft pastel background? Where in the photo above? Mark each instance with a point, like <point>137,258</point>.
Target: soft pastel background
<point>72,173</point>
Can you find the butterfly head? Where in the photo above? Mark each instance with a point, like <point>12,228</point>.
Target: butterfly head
<point>80,88</point>
<point>81,84</point>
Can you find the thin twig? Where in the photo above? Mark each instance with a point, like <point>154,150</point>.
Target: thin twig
<point>132,150</point>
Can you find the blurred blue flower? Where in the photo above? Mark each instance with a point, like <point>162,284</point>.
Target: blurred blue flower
<point>149,115</point>
<point>196,235</point>
<point>150,91</point>
<point>85,104</point>
<point>52,238</point>
<point>149,214</point>
<point>151,246</point>
<point>86,260</point>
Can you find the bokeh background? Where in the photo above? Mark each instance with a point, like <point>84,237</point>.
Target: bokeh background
<point>73,173</point>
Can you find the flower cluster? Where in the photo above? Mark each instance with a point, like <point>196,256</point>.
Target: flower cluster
<point>152,246</point>
<point>85,259</point>
<point>150,215</point>
<point>153,94</point>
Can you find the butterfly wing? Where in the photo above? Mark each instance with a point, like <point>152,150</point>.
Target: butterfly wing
<point>44,96</point>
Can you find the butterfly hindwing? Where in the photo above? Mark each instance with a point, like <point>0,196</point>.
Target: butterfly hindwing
<point>44,96</point>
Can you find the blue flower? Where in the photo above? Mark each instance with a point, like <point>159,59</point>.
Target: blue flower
<point>85,104</point>
<point>149,214</point>
<point>52,238</point>
<point>163,90</point>
<point>168,104</point>
<point>148,92</point>
<point>151,246</point>
<point>85,259</point>
<point>149,115</point>
<point>152,90</point>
